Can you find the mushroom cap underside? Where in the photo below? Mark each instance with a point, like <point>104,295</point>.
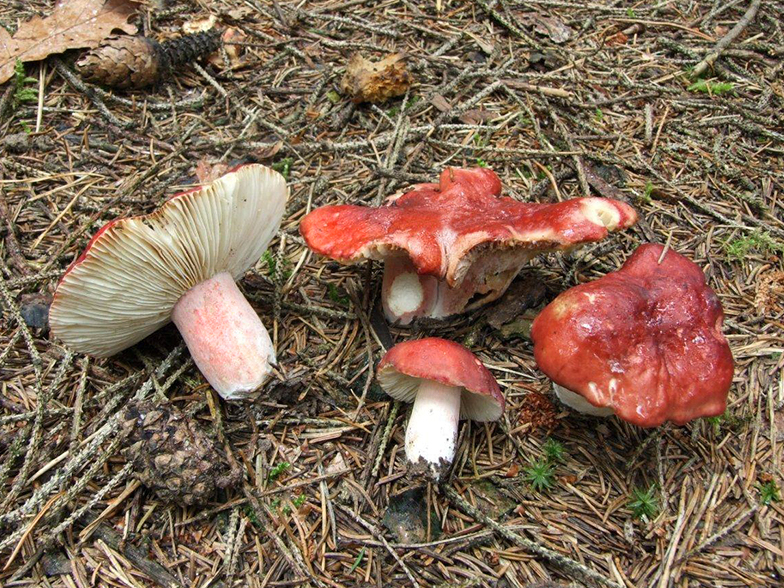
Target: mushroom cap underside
<point>134,270</point>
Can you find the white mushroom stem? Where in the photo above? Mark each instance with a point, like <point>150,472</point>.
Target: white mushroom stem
<point>404,293</point>
<point>580,404</point>
<point>225,336</point>
<point>432,429</point>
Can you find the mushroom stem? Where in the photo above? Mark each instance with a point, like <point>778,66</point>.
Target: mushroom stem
<point>225,336</point>
<point>431,434</point>
<point>579,403</point>
<point>404,293</point>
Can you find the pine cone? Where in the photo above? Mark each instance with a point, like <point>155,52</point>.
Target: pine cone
<point>172,456</point>
<point>122,62</point>
<point>135,61</point>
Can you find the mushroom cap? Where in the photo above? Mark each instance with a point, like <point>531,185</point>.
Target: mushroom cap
<point>645,341</point>
<point>404,366</point>
<point>443,227</point>
<point>134,270</point>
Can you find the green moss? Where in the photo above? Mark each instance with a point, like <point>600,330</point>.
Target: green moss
<point>758,241</point>
<point>769,492</point>
<point>648,192</point>
<point>713,88</point>
<point>540,475</point>
<point>278,470</point>
<point>334,295</point>
<point>643,503</point>
<point>554,451</point>
<point>22,92</point>
<point>283,166</point>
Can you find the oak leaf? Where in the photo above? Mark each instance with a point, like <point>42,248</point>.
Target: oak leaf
<point>73,24</point>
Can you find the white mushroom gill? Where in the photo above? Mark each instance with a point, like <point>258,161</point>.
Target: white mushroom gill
<point>578,403</point>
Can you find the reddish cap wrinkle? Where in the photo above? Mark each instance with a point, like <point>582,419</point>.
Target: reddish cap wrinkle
<point>443,361</point>
<point>655,329</point>
<point>438,225</point>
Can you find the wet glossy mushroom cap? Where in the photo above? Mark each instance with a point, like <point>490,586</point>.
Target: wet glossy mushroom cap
<point>407,364</point>
<point>134,270</point>
<point>645,340</point>
<point>460,232</point>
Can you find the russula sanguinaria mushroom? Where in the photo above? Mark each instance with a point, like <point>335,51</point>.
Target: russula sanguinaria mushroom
<point>446,382</point>
<point>180,263</point>
<point>643,342</point>
<point>454,246</point>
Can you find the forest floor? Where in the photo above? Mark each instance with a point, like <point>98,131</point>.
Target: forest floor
<point>561,99</point>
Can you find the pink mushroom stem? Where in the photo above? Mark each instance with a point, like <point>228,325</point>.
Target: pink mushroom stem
<point>225,336</point>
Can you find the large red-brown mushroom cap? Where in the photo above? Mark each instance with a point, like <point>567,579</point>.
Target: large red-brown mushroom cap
<point>459,231</point>
<point>645,341</point>
<point>440,225</point>
<point>407,364</point>
<point>134,270</point>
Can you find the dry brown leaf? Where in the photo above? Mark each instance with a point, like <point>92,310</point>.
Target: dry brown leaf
<point>477,116</point>
<point>770,292</point>
<point>440,102</point>
<point>232,52</point>
<point>207,172</point>
<point>74,24</point>
<point>268,152</point>
<point>366,81</point>
<point>618,38</point>
<point>199,26</point>
<point>551,26</point>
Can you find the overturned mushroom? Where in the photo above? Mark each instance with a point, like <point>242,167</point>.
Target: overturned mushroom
<point>446,382</point>
<point>644,342</point>
<point>454,246</point>
<point>180,263</point>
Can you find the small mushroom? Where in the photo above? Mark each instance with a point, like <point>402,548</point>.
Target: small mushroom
<point>446,382</point>
<point>644,342</point>
<point>180,263</point>
<point>454,246</point>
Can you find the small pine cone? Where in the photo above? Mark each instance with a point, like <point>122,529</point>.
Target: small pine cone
<point>136,61</point>
<point>125,61</point>
<point>172,456</point>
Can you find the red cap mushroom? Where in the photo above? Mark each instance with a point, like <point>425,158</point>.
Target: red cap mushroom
<point>446,382</point>
<point>180,263</point>
<point>456,245</point>
<point>643,342</point>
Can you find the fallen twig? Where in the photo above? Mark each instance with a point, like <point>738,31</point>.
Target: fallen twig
<point>725,41</point>
<point>567,563</point>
